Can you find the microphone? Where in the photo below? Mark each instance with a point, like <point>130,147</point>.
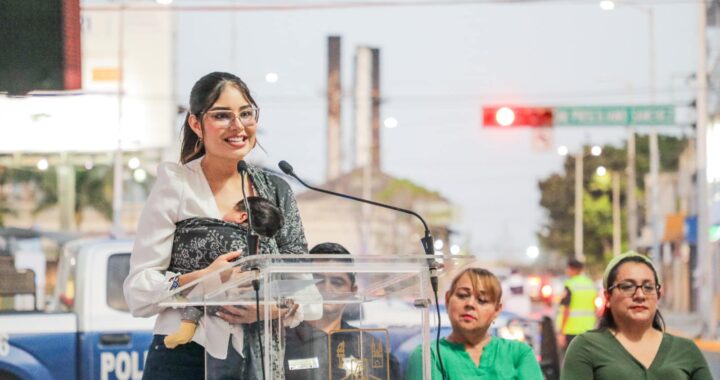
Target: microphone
<point>252,239</point>
<point>427,241</point>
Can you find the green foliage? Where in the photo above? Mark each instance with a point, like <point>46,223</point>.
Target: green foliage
<point>93,189</point>
<point>558,197</point>
<point>405,188</point>
<point>11,176</point>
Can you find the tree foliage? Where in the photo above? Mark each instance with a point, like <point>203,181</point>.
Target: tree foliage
<point>556,235</point>
<point>93,189</point>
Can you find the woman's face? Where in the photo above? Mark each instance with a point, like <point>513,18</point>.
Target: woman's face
<point>638,307</point>
<point>223,133</point>
<point>468,311</point>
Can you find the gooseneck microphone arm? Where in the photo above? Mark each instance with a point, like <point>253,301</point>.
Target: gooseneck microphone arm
<point>252,245</point>
<point>252,238</point>
<point>427,241</point>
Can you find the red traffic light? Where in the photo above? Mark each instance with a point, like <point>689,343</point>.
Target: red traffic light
<point>510,116</point>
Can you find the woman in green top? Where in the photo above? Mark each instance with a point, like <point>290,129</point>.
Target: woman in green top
<point>469,352</point>
<point>630,342</point>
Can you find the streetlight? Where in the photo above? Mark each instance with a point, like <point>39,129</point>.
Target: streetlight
<point>607,5</point>
<point>390,122</point>
<point>272,77</point>
<point>602,171</point>
<point>532,252</point>
<point>579,158</point>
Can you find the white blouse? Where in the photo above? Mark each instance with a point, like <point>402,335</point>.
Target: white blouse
<point>180,192</point>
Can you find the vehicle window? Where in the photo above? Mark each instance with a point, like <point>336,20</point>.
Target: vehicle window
<point>117,269</point>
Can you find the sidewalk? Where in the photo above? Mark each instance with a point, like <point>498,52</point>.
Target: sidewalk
<point>689,325</point>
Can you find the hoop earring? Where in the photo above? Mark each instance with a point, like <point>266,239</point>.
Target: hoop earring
<point>198,145</point>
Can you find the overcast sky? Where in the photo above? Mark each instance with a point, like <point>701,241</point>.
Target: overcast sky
<point>439,65</point>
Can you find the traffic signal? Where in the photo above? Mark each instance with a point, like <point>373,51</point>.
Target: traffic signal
<point>511,116</point>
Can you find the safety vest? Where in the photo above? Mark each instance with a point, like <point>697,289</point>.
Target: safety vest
<point>582,305</point>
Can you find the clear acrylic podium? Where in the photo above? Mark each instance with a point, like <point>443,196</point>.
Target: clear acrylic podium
<point>386,303</point>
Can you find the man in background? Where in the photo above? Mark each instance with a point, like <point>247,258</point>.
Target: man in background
<point>576,313</point>
<point>308,349</point>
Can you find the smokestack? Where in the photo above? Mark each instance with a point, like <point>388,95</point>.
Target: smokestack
<point>375,113</point>
<point>363,107</point>
<point>334,100</point>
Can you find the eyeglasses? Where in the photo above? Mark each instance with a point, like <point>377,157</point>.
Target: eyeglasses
<point>222,118</point>
<point>628,288</point>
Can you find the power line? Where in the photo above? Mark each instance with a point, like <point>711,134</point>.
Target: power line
<point>289,6</point>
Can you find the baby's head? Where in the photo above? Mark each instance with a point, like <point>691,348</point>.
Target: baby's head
<point>267,219</point>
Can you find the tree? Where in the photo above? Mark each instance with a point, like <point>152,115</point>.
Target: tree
<point>93,189</point>
<point>13,176</point>
<point>558,195</point>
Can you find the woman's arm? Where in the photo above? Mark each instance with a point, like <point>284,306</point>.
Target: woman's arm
<point>700,370</point>
<point>150,258</point>
<point>414,367</point>
<point>291,240</point>
<point>578,361</point>
<point>291,237</point>
<point>527,366</point>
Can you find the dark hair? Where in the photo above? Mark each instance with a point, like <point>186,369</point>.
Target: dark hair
<point>267,219</point>
<point>575,264</point>
<point>203,95</point>
<point>607,321</point>
<point>328,248</point>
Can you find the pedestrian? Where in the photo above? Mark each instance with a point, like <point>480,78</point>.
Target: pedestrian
<point>576,312</point>
<point>220,130</point>
<point>470,351</point>
<point>630,342</point>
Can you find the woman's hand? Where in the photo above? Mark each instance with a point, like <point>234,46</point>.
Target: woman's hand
<point>219,263</point>
<point>222,261</point>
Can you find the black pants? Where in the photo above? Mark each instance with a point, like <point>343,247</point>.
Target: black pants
<point>184,362</point>
<point>187,362</point>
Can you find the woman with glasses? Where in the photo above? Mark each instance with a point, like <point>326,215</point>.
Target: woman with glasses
<point>219,131</point>
<point>630,342</point>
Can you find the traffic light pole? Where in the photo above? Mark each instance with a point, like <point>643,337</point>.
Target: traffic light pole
<point>579,210</point>
<point>705,283</point>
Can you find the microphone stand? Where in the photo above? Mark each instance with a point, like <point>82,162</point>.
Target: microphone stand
<point>252,245</point>
<point>427,243</point>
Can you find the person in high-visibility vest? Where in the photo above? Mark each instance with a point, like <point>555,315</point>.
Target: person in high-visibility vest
<point>576,313</point>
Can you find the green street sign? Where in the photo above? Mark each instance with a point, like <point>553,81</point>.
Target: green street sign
<point>614,115</point>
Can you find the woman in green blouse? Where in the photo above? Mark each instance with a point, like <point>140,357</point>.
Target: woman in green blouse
<point>469,352</point>
<point>630,342</point>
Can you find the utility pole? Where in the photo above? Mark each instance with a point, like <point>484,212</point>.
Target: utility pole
<point>617,238</point>
<point>705,281</point>
<point>654,203</point>
<point>334,99</point>
<point>579,255</point>
<point>631,196</point>
<point>118,161</point>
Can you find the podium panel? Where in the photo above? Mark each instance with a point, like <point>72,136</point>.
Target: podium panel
<point>321,316</point>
